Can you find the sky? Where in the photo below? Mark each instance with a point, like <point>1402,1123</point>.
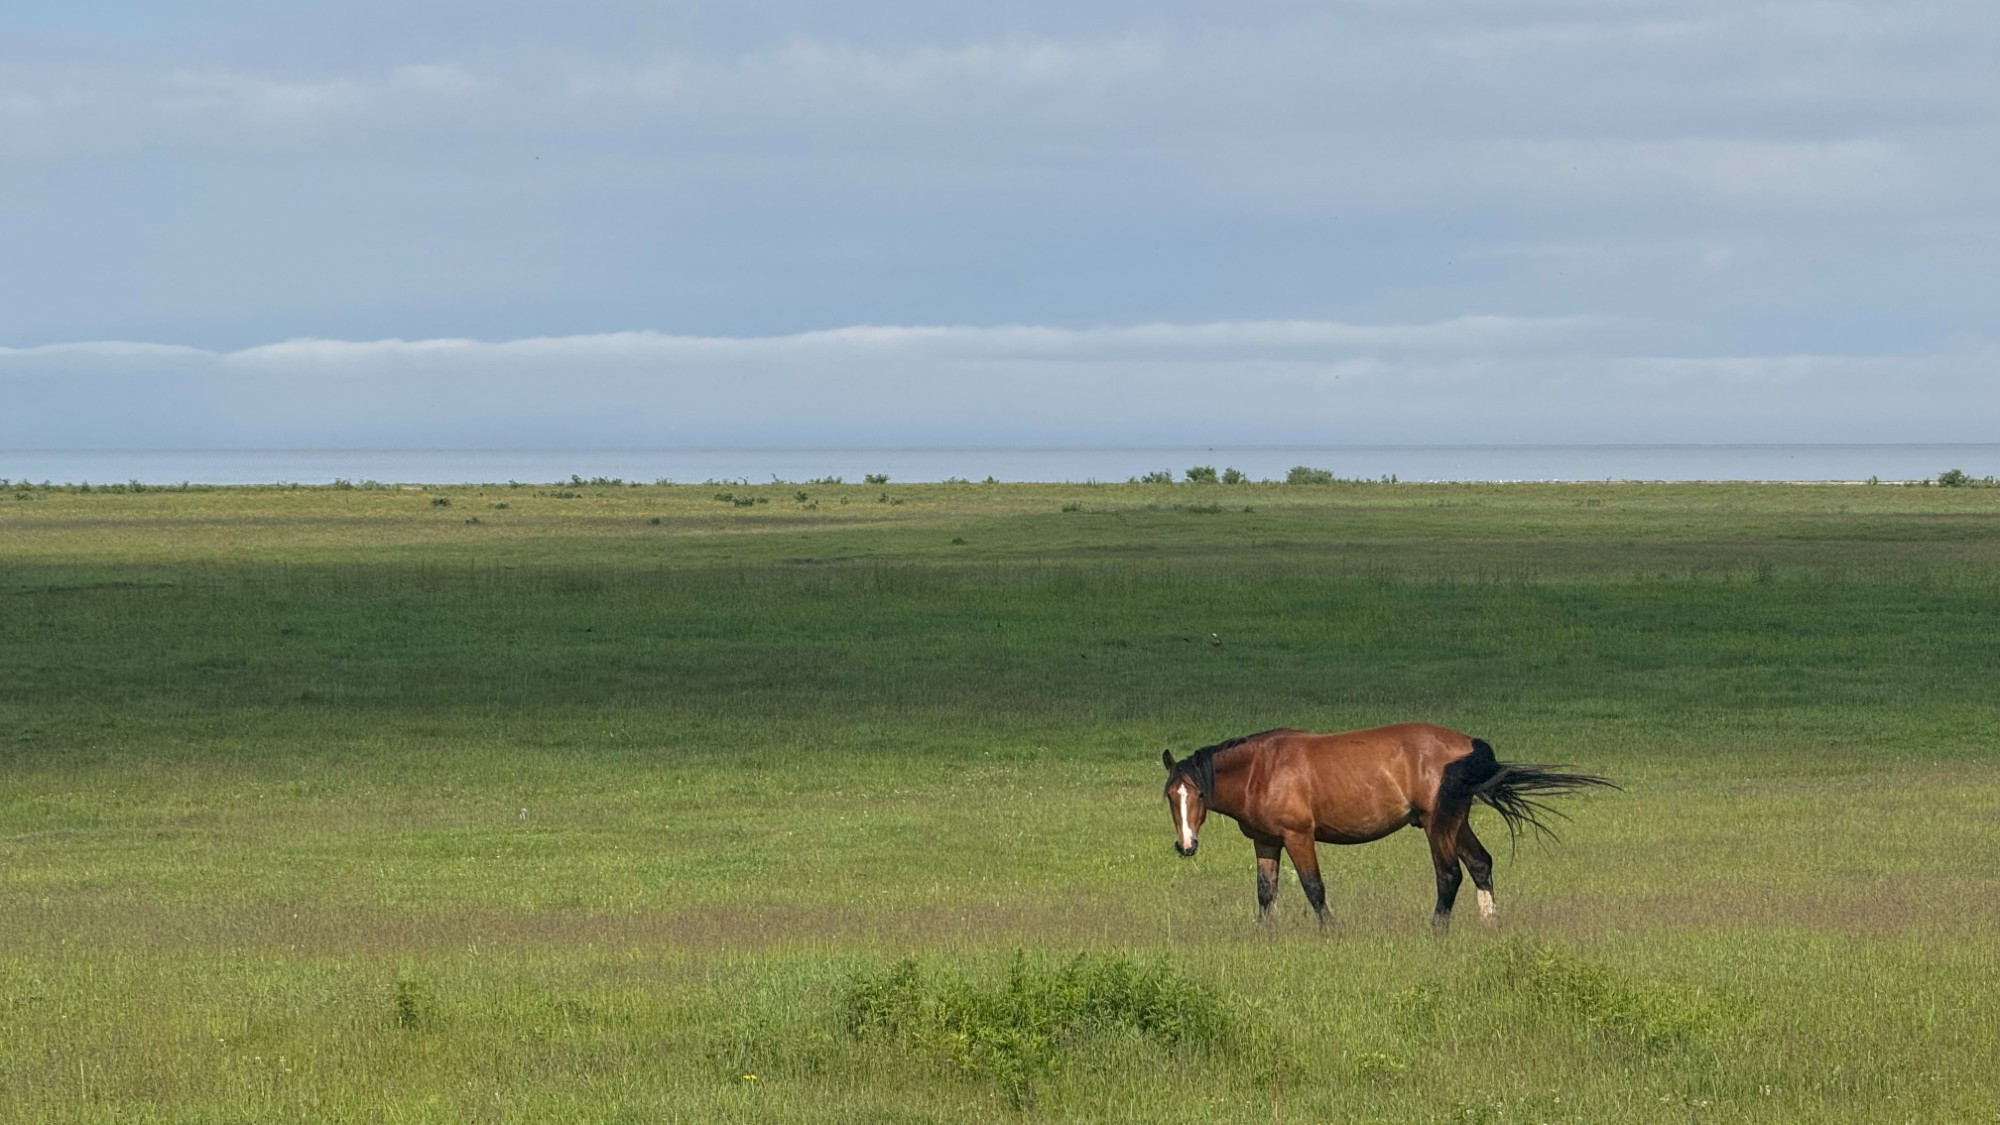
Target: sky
<point>441,223</point>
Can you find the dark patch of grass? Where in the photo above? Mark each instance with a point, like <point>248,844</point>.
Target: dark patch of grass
<point>412,1005</point>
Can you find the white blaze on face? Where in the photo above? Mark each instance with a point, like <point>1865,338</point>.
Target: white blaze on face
<point>1186,822</point>
<point>1486,904</point>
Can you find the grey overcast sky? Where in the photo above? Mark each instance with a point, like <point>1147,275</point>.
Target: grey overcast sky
<point>368,223</point>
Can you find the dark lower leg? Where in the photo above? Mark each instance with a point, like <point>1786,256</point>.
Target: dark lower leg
<point>1444,860</point>
<point>1447,880</point>
<point>1309,881</point>
<point>1479,865</point>
<point>1267,881</point>
<point>1306,862</point>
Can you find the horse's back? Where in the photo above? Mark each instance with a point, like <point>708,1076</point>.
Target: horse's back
<point>1360,785</point>
<point>1422,745</point>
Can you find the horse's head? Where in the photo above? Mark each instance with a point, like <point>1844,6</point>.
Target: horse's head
<point>1187,802</point>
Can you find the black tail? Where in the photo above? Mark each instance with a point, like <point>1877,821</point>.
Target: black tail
<point>1511,788</point>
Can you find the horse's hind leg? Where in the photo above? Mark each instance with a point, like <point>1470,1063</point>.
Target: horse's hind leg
<point>1443,834</point>
<point>1305,861</point>
<point>1479,865</point>
<point>1267,879</point>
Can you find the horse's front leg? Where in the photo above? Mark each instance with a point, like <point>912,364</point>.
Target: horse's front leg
<point>1267,880</point>
<point>1305,861</point>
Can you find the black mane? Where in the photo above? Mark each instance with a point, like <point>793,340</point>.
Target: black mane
<point>1199,767</point>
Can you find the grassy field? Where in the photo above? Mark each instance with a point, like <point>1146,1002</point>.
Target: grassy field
<point>594,802</point>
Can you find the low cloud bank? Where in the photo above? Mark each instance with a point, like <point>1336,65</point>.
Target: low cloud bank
<point>1465,380</point>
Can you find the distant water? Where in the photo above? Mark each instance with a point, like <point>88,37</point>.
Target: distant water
<point>757,466</point>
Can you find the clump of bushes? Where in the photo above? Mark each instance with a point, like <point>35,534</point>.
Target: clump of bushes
<point>1959,478</point>
<point>1306,474</point>
<point>1020,1030</point>
<point>1201,474</point>
<point>1160,476</point>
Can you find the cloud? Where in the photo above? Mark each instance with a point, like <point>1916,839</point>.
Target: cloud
<point>1750,100</point>
<point>107,349</point>
<point>46,109</point>
<point>371,170</point>
<point>955,343</point>
<point>1473,379</point>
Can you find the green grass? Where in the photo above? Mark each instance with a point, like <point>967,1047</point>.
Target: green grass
<point>328,804</point>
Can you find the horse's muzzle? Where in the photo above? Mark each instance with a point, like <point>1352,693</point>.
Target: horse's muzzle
<point>1187,851</point>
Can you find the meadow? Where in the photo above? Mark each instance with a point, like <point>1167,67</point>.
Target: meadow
<point>841,802</point>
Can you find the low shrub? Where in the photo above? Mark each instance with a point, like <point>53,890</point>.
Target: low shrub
<point>1021,1030</point>
<point>1959,478</point>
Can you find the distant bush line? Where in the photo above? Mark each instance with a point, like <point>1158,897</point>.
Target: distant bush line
<point>25,489</point>
<point>1297,474</point>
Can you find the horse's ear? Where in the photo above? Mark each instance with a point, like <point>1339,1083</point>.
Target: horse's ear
<point>1167,759</point>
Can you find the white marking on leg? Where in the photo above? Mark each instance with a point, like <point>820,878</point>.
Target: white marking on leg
<point>1486,904</point>
<point>1187,827</point>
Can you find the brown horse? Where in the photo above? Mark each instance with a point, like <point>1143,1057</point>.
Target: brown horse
<point>1287,789</point>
